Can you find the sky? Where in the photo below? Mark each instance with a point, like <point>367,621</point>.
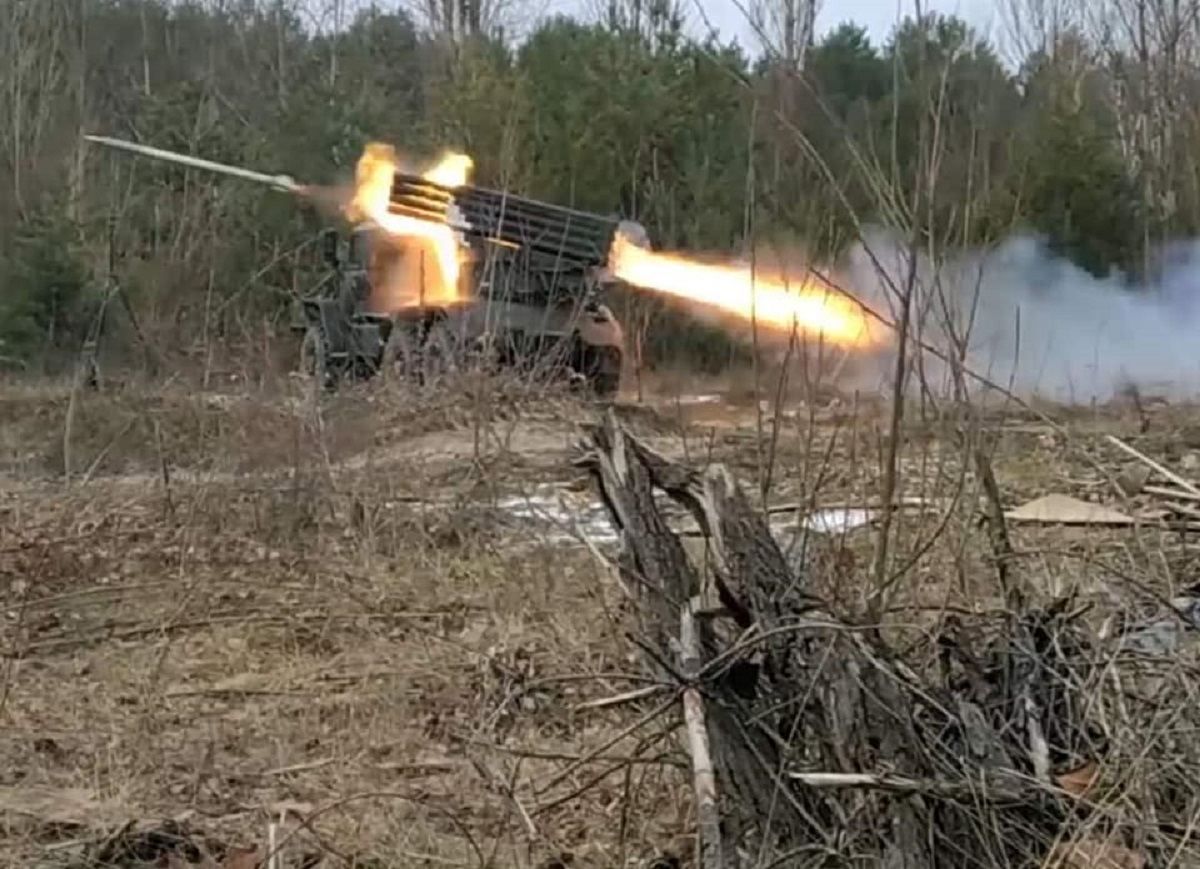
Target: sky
<point>878,16</point>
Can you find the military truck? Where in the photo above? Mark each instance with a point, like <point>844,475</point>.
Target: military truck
<point>520,310</point>
<point>532,300</point>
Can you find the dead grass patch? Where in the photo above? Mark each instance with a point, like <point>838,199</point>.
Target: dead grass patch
<point>328,614</point>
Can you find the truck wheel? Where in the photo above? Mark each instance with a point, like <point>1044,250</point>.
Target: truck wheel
<point>312,357</point>
<point>604,373</point>
<point>399,357</point>
<point>438,354</point>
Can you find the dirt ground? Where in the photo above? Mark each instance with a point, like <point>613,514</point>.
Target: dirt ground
<point>369,619</point>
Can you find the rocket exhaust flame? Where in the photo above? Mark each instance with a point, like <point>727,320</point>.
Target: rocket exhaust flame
<point>371,202</point>
<point>809,306</point>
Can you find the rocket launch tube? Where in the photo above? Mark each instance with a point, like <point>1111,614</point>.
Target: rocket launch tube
<point>570,237</point>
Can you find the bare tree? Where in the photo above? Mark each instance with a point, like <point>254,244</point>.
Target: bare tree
<point>1149,46</point>
<point>1036,26</point>
<point>785,28</point>
<point>458,20</point>
<point>32,74</point>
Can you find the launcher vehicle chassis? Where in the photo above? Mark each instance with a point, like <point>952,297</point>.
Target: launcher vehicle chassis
<point>526,315</point>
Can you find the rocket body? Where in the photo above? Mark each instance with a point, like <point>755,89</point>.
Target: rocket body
<point>283,183</point>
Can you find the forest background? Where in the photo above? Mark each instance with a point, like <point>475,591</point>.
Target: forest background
<point>1088,142</point>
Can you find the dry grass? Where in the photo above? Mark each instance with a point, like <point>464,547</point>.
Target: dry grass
<point>330,611</point>
<point>362,633</point>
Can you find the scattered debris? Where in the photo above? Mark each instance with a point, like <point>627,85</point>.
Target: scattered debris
<point>1163,632</point>
<point>1177,505</point>
<point>1153,465</point>
<point>1057,509</point>
<point>1167,492</point>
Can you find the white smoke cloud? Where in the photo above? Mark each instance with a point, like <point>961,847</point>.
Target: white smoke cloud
<point>1046,326</point>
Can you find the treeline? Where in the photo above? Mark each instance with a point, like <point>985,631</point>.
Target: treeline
<point>1090,143</point>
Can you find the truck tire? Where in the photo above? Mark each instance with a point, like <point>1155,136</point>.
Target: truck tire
<point>312,357</point>
<point>604,374</point>
<point>440,354</point>
<point>399,356</point>
<point>421,354</point>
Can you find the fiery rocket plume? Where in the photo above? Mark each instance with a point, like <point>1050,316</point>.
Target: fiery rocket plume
<point>810,307</point>
<point>372,195</point>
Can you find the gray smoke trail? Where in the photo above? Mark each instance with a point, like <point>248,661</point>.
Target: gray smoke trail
<point>1081,338</point>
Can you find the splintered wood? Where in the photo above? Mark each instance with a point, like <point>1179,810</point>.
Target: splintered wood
<point>809,734</point>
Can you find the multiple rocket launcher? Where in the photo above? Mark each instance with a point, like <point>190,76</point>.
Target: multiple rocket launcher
<point>564,238</point>
<point>556,246</point>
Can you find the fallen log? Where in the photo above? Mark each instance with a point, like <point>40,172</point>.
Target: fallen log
<point>821,740</point>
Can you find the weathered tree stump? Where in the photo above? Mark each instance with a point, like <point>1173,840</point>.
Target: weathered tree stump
<point>825,747</point>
